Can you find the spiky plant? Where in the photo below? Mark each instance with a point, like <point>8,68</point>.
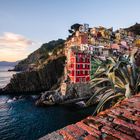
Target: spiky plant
<point>114,81</point>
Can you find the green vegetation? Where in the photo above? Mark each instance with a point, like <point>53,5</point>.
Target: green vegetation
<point>115,80</point>
<point>74,28</point>
<point>95,63</point>
<point>41,54</point>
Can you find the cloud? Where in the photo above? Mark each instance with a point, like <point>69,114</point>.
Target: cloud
<point>12,41</point>
<point>14,46</point>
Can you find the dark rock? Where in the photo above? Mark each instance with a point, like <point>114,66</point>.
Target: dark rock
<point>74,93</point>
<point>49,98</point>
<point>41,80</point>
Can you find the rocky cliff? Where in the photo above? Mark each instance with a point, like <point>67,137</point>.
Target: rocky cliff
<point>40,80</point>
<point>38,57</point>
<point>42,70</point>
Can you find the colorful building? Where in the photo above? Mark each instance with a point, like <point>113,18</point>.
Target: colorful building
<point>78,66</point>
<point>92,42</point>
<point>137,43</point>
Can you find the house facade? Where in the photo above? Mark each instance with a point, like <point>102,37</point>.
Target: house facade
<point>77,69</point>
<point>78,66</point>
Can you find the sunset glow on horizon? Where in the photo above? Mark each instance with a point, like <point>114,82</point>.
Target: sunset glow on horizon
<point>14,47</point>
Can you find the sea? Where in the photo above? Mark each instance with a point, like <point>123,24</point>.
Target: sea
<point>22,120</point>
<point>5,76</point>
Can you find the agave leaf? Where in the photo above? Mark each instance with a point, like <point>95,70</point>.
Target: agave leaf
<point>119,83</point>
<point>99,74</point>
<point>112,60</point>
<point>128,91</point>
<point>134,73</point>
<point>133,79</point>
<point>96,79</point>
<point>110,66</point>
<point>111,76</point>
<point>99,82</point>
<point>117,65</point>
<point>97,92</point>
<point>120,90</point>
<point>138,81</point>
<point>99,69</point>
<point>124,76</point>
<point>121,76</point>
<point>98,108</point>
<point>107,95</point>
<point>137,84</point>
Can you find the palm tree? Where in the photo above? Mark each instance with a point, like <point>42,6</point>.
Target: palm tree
<point>114,81</point>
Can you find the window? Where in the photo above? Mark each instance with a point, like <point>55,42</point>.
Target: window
<point>78,66</point>
<point>78,72</point>
<point>84,66</point>
<point>83,72</point>
<point>88,66</point>
<point>84,59</point>
<point>88,59</point>
<point>77,59</point>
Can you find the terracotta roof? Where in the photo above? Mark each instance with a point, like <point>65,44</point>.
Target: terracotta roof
<point>115,46</point>
<point>121,122</point>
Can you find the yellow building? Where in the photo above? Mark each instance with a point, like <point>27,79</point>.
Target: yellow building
<point>137,43</point>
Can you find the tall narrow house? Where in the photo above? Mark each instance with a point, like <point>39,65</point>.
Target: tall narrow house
<point>77,68</point>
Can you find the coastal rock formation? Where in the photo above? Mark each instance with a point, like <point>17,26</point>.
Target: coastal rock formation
<point>74,94</point>
<point>40,80</point>
<point>49,98</point>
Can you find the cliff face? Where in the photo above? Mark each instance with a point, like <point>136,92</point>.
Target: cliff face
<point>40,80</point>
<point>42,70</point>
<point>40,55</point>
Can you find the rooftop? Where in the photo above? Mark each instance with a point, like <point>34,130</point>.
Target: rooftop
<point>121,122</point>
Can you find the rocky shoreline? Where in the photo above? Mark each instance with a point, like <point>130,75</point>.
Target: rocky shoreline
<point>43,79</point>
<point>75,93</point>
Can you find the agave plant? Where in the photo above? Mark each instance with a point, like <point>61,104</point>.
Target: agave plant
<point>114,81</point>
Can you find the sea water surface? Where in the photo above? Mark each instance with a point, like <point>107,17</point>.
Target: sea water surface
<point>5,76</point>
<point>22,120</point>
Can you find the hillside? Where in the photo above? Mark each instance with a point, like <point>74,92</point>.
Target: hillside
<point>135,29</point>
<point>48,67</point>
<point>39,56</point>
<point>36,81</point>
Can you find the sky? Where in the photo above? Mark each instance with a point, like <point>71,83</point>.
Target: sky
<point>26,24</point>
